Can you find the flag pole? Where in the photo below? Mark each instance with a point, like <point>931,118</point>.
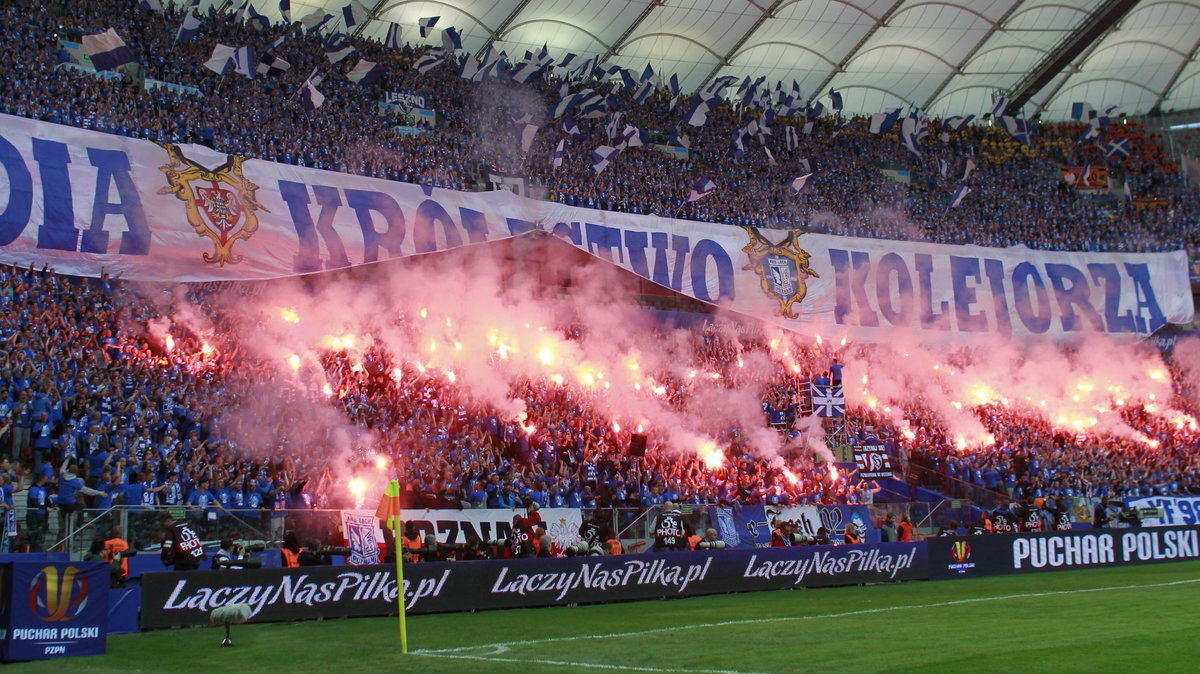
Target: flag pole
<point>402,609</point>
<point>389,509</point>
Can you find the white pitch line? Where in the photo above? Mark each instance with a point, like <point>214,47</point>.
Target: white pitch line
<point>759,621</point>
<point>582,665</point>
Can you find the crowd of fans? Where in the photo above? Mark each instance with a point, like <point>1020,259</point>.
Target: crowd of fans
<point>99,410</point>
<point>1018,195</point>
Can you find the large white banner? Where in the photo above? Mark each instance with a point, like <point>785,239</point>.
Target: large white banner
<point>454,526</point>
<point>80,200</point>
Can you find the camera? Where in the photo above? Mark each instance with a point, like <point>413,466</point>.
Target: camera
<point>332,550</point>
<point>710,545</point>
<point>583,549</point>
<point>231,563</point>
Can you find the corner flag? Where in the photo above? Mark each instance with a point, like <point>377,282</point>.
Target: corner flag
<point>389,511</point>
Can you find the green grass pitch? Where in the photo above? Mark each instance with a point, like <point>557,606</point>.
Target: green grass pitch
<point>1143,619</point>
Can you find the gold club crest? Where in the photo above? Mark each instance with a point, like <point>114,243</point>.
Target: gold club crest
<point>222,210</point>
<point>782,268</point>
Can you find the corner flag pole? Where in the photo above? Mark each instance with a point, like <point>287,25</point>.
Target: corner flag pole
<point>389,509</point>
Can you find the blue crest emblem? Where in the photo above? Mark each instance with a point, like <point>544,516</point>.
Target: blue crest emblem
<point>782,268</point>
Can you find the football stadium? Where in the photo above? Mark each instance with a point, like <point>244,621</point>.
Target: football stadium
<point>632,335</point>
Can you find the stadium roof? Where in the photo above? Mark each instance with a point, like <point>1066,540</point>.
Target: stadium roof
<point>946,57</point>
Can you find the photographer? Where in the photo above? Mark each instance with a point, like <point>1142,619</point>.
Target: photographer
<point>182,550</point>
<point>784,537</point>
<point>237,554</point>
<point>520,541</point>
<point>711,541</point>
<point>228,552</point>
<point>116,553</point>
<point>670,530</point>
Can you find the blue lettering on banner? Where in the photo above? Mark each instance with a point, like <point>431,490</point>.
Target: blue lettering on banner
<point>65,191</point>
<point>58,229</point>
<point>364,202</point>
<point>114,169</point>
<point>430,214</point>
<point>20,193</point>
<point>707,249</point>
<point>1039,321</point>
<point>893,265</point>
<point>1140,273</point>
<point>980,301</point>
<point>962,269</point>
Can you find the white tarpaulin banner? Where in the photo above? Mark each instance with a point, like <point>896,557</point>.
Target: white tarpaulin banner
<point>454,526</point>
<point>82,199</point>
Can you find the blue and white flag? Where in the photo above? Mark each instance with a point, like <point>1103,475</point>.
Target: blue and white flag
<point>451,40</point>
<point>1082,112</point>
<point>942,166</point>
<point>153,5</point>
<point>563,105</point>
<point>315,21</point>
<point>816,112</point>
<point>365,72</point>
<point>791,141</point>
<point>643,91</point>
<point>559,152</point>
<point>1090,132</point>
<point>999,105</point>
<point>469,67</point>
<point>270,65</point>
<point>256,20</point>
<point>221,59</point>
<point>354,14</point>
<point>285,10</point>
<point>601,157</point>
<point>697,115</point>
<point>393,41</point>
<point>828,400</point>
<point>337,47</point>
<point>310,98</point>
<point>244,62</point>
<point>107,50</point>
<point>570,126</point>
<point>799,183</point>
<point>240,12</point>
<point>1117,148</point>
<point>958,196</point>
<point>426,23</point>
<point>910,132</point>
<point>882,122</point>
<point>634,137</point>
<point>1017,128</point>
<point>428,62</point>
<point>835,100</point>
<point>189,28</point>
<point>957,122</point>
<point>701,189</point>
<point>526,71</point>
